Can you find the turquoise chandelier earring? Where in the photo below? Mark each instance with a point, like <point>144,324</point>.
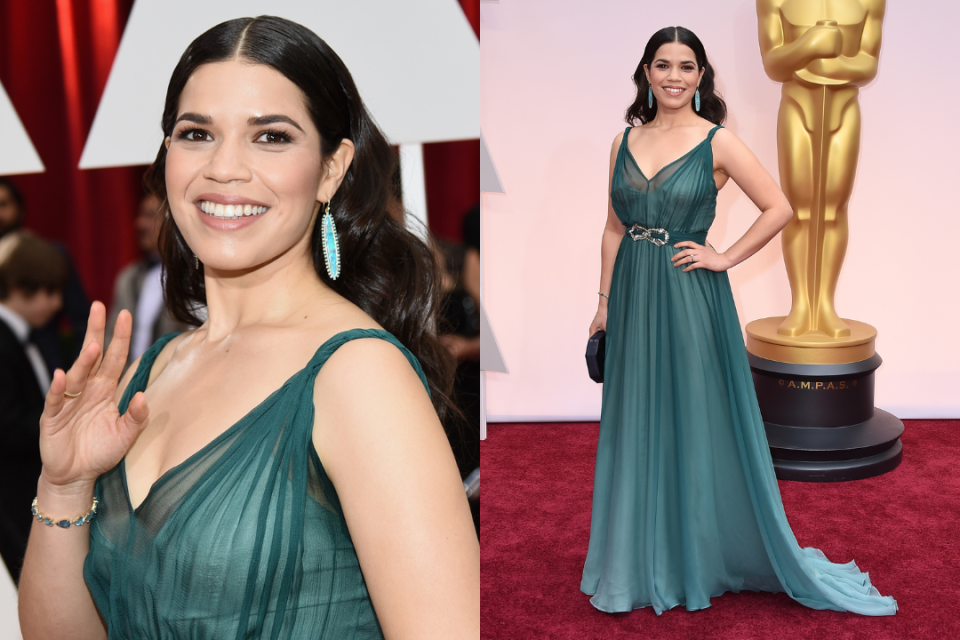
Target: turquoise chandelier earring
<point>331,244</point>
<point>696,100</point>
<point>649,98</point>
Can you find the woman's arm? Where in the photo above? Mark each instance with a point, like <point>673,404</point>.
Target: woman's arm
<point>383,447</point>
<point>732,157</point>
<point>79,439</point>
<point>613,232</point>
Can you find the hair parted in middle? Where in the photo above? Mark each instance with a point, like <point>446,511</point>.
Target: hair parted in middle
<point>386,270</point>
<point>712,106</point>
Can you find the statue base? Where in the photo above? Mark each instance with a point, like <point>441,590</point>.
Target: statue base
<point>813,347</point>
<point>818,413</point>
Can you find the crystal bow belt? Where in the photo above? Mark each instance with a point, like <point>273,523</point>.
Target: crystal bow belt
<point>640,233</point>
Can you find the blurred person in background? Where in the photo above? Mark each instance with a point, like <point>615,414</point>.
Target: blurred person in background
<point>33,274</point>
<point>460,329</point>
<point>139,288</point>
<point>59,340</point>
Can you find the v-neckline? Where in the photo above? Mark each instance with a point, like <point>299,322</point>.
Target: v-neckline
<point>229,431</point>
<point>626,144</point>
<point>204,449</point>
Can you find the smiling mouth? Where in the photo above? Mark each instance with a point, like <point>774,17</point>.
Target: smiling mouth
<point>673,91</point>
<point>230,211</point>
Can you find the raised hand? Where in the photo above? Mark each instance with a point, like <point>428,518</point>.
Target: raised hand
<point>82,434</point>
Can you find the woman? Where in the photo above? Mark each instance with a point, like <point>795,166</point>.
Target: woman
<point>686,504</point>
<point>258,462</point>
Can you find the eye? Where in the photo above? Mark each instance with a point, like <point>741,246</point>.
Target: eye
<point>194,135</point>
<point>662,65</point>
<point>273,137</point>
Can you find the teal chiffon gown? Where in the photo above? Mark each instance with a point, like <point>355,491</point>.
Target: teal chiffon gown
<point>686,504</point>
<point>245,539</point>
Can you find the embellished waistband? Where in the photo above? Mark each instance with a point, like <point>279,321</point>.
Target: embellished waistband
<point>640,233</point>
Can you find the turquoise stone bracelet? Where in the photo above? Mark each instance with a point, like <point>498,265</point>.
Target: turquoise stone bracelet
<point>64,524</point>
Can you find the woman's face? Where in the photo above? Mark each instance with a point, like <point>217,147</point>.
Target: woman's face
<point>244,174</point>
<point>673,75</point>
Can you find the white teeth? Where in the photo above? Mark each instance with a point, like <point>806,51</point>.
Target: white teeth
<point>230,210</point>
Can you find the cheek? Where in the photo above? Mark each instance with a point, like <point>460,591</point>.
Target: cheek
<point>294,180</point>
<point>178,172</point>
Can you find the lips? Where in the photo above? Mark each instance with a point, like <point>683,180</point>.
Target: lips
<point>673,91</point>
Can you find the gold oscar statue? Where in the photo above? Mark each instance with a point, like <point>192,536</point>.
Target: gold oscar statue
<point>822,51</point>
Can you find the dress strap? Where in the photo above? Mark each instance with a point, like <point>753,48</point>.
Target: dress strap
<point>142,375</point>
<point>328,348</point>
<point>713,131</point>
<point>626,134</point>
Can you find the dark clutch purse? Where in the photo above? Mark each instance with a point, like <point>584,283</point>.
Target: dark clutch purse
<point>596,350</point>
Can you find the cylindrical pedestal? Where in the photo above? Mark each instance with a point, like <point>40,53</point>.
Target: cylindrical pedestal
<point>821,423</point>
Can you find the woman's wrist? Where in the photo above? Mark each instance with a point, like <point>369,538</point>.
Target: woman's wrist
<point>63,499</point>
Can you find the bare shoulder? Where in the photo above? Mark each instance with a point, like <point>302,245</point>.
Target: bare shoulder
<point>725,137</point>
<point>371,370</point>
<point>727,147</point>
<point>617,139</point>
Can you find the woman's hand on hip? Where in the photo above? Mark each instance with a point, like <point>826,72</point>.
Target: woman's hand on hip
<point>698,256</point>
<point>82,434</point>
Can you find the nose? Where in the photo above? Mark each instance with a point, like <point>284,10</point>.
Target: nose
<point>228,161</point>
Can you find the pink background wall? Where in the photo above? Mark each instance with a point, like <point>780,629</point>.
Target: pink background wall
<point>555,80</point>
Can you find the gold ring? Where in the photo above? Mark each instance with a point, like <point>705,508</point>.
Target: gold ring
<point>73,395</point>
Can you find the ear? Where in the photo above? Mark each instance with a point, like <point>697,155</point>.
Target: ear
<point>702,70</point>
<point>334,169</point>
<point>646,72</point>
<point>166,142</point>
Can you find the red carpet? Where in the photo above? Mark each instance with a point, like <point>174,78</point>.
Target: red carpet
<point>902,527</point>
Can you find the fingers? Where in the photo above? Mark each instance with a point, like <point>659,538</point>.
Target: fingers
<point>691,248</point>
<point>96,324</point>
<point>55,398</point>
<point>136,416</point>
<point>80,372</point>
<point>116,357</point>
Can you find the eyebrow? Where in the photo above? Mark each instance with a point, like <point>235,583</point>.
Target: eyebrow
<point>254,122</point>
<point>668,62</point>
<point>273,119</point>
<point>195,118</point>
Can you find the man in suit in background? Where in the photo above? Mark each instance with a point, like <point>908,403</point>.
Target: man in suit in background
<point>32,278</point>
<point>139,288</point>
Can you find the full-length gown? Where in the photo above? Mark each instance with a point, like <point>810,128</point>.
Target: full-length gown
<point>686,504</point>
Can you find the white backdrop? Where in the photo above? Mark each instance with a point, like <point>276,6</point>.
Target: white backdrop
<point>555,80</point>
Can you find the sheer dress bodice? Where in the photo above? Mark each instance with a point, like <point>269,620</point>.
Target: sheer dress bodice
<point>677,198</point>
<point>244,539</point>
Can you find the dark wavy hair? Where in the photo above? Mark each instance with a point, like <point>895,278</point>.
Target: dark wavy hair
<point>712,106</point>
<point>385,269</point>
